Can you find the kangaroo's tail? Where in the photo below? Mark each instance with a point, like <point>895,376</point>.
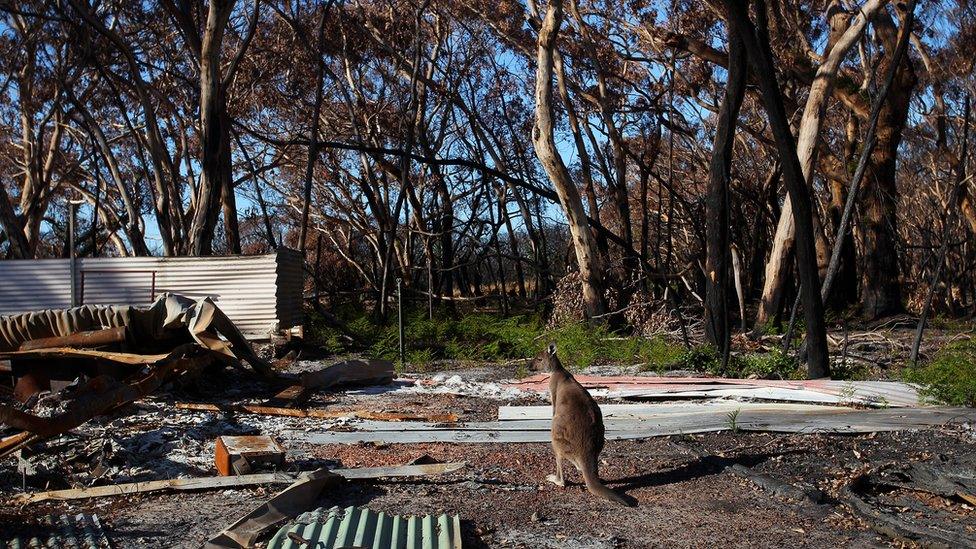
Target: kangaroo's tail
<point>598,489</point>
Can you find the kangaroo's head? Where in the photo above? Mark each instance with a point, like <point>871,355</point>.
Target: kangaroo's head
<point>546,360</point>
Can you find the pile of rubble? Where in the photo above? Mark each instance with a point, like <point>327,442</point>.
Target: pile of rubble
<point>84,391</point>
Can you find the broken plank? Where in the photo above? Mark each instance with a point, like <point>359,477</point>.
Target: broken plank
<point>209,483</point>
<point>15,442</point>
<point>318,414</point>
<point>423,470</point>
<point>350,372</point>
<point>203,483</point>
<point>290,396</point>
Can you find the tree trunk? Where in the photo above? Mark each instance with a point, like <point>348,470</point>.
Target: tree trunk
<point>717,203</point>
<point>215,187</point>
<point>543,138</point>
<point>880,286</point>
<point>586,169</point>
<point>839,44</point>
<point>756,41</point>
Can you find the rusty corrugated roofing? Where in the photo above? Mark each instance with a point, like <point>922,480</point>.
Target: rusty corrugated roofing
<point>360,527</point>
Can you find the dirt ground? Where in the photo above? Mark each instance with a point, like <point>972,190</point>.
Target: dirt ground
<point>683,499</point>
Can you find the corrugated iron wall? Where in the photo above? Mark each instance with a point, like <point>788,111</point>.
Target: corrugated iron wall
<point>260,293</point>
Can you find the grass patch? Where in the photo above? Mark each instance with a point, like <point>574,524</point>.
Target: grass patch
<point>769,365</point>
<point>476,336</point>
<point>581,345</point>
<point>490,337</point>
<point>950,377</point>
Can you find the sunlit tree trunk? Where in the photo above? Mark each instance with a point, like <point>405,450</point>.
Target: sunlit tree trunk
<point>543,137</point>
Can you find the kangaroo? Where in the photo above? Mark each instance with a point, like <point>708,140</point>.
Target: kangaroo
<point>577,426</point>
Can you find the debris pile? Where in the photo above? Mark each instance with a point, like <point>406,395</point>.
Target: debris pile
<point>67,367</point>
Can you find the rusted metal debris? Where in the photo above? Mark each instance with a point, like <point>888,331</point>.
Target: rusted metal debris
<point>84,339</point>
<point>237,455</point>
<point>95,371</point>
<point>104,393</point>
<point>350,372</point>
<point>171,321</point>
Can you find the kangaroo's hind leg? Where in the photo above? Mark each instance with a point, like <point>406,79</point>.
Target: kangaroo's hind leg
<point>558,478</point>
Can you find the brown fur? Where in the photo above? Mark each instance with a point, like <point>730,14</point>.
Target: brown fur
<point>577,426</point>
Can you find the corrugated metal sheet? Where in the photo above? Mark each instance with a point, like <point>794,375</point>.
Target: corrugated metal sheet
<point>261,293</point>
<point>64,531</point>
<point>869,393</point>
<point>359,527</point>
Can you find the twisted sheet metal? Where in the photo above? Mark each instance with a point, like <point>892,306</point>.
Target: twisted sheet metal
<point>81,531</point>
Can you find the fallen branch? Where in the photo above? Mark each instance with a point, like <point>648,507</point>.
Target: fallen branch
<point>897,525</point>
<point>772,485</point>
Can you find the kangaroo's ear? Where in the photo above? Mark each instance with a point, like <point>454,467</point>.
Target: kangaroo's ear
<point>552,348</point>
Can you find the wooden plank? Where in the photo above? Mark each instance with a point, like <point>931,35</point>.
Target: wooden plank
<point>350,372</point>
<point>14,442</point>
<point>210,483</point>
<point>319,414</point>
<point>423,470</point>
<point>204,483</point>
<point>289,397</point>
<point>66,352</point>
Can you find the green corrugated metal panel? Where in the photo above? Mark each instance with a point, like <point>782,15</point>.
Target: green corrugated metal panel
<point>80,531</point>
<point>359,527</point>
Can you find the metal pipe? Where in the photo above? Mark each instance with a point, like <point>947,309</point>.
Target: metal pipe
<point>72,208</point>
<point>399,282</point>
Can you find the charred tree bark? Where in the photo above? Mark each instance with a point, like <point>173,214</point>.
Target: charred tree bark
<point>717,203</point>
<point>839,44</point>
<point>313,139</point>
<point>880,286</point>
<point>214,135</point>
<point>756,41</point>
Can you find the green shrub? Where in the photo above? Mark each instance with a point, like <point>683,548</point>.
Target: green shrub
<point>771,365</point>
<point>476,336</point>
<point>703,358</point>
<point>581,345</point>
<point>950,377</point>
<point>420,359</point>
